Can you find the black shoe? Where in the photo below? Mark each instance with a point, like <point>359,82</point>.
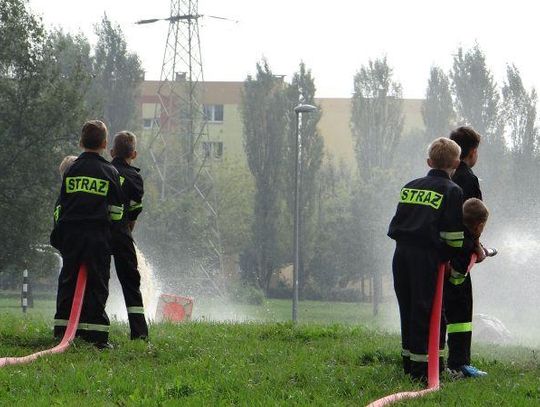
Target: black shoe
<point>103,345</point>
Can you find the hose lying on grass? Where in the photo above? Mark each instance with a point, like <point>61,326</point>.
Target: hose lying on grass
<point>433,345</point>
<point>71,328</point>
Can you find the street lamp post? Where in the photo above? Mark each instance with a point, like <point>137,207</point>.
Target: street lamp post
<point>300,109</point>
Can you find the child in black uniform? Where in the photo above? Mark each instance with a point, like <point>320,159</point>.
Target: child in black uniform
<point>458,298</point>
<point>125,258</point>
<point>428,230</point>
<point>90,200</point>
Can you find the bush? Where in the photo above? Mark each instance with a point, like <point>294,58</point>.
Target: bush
<point>242,293</point>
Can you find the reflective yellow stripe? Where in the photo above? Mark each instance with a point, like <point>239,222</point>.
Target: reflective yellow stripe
<point>419,358</point>
<point>122,179</point>
<point>405,353</point>
<point>421,197</point>
<point>93,327</point>
<point>116,212</point>
<point>456,277</point>
<point>456,280</point>
<point>135,310</point>
<point>60,322</point>
<point>454,243</point>
<point>135,206</point>
<point>89,185</point>
<point>459,327</point>
<point>452,235</point>
<point>57,213</point>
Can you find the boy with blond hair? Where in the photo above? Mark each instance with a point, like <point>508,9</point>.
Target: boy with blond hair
<point>428,230</point>
<point>124,151</point>
<point>90,200</point>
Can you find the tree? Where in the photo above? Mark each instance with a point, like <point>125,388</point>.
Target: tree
<point>519,113</point>
<point>118,74</point>
<point>42,111</point>
<point>478,104</point>
<point>302,89</point>
<point>264,118</point>
<point>376,124</point>
<point>377,117</point>
<point>437,109</point>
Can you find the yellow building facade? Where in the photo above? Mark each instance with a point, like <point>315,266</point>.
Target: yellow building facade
<point>222,105</point>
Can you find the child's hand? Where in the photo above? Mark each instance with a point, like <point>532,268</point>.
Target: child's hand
<point>480,253</point>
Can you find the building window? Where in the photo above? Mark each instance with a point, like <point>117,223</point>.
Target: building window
<point>150,123</point>
<point>212,149</point>
<point>213,113</point>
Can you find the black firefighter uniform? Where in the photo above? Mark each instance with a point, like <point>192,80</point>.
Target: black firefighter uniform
<point>125,257</point>
<point>428,230</point>
<point>458,294</point>
<point>90,200</point>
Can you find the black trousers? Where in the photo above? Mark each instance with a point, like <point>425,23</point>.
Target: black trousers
<point>458,305</point>
<point>125,261</point>
<point>415,278</point>
<point>89,245</point>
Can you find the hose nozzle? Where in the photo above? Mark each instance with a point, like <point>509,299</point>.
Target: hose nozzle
<point>490,252</point>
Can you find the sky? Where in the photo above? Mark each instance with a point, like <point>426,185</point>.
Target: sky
<point>334,38</point>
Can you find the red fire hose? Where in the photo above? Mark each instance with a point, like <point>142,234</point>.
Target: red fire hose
<point>71,328</point>
<point>433,345</point>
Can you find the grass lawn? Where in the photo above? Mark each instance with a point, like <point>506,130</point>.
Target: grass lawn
<point>247,364</point>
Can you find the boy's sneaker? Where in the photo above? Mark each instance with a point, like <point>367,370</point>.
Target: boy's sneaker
<point>466,371</point>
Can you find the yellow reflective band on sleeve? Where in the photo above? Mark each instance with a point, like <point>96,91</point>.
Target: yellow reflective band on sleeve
<point>459,327</point>
<point>135,206</point>
<point>116,212</point>
<point>57,213</point>
<point>135,310</point>
<point>452,235</point>
<point>60,322</point>
<point>93,327</point>
<point>418,358</point>
<point>454,243</point>
<point>122,179</point>
<point>89,185</point>
<point>421,197</point>
<point>453,239</point>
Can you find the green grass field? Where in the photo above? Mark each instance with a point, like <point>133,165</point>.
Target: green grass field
<point>245,364</point>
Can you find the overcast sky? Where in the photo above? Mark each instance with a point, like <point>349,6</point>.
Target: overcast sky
<point>334,38</point>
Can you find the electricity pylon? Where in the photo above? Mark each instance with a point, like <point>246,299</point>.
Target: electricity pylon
<point>178,146</point>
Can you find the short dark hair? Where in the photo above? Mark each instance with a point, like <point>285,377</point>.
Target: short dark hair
<point>467,138</point>
<point>93,133</point>
<point>474,212</point>
<point>124,144</point>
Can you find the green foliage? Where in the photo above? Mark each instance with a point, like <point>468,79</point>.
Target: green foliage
<point>246,364</point>
<point>265,119</point>
<point>376,117</point>
<point>118,74</point>
<point>242,293</point>
<point>476,96</point>
<point>377,126</point>
<point>42,109</point>
<point>437,109</point>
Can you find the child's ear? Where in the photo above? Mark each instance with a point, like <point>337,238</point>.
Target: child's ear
<point>103,144</point>
<point>134,155</point>
<point>429,163</point>
<point>456,163</point>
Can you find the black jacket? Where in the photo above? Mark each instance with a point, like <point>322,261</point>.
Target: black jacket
<point>430,214</point>
<point>133,188</point>
<point>465,178</point>
<point>90,194</point>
